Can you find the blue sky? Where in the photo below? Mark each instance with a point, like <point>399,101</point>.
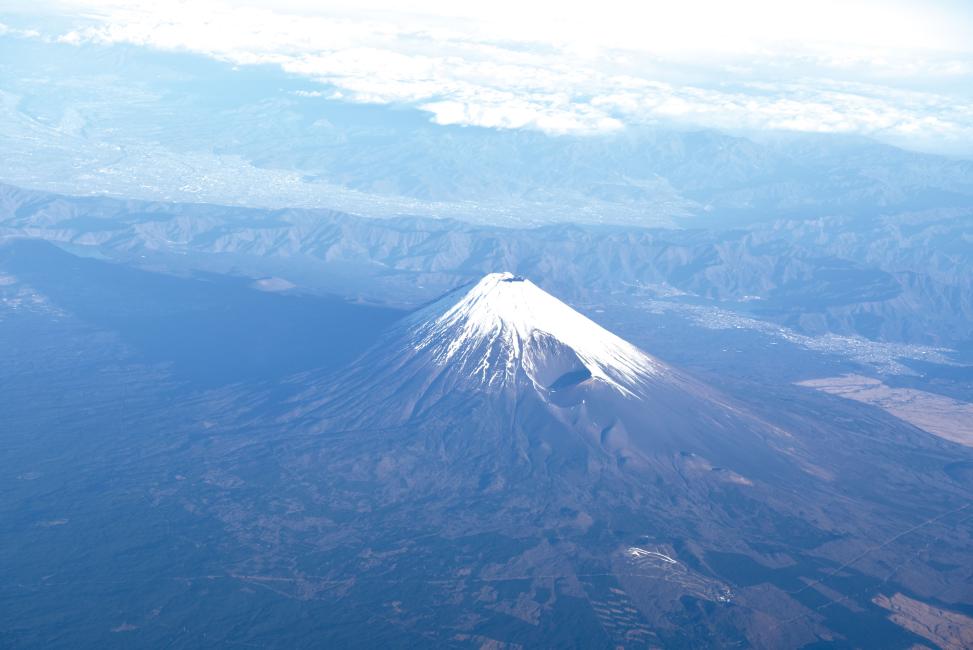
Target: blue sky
<point>900,72</point>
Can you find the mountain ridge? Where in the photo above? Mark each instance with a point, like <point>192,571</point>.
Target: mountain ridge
<point>902,277</point>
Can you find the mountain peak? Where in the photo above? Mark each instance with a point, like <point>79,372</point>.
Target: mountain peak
<point>505,325</point>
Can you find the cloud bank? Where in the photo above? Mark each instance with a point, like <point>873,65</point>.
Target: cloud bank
<point>897,72</point>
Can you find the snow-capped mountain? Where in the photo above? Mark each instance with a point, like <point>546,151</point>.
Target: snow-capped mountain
<point>508,364</point>
<point>506,328</point>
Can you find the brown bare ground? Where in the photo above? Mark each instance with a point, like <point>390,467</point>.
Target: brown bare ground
<point>939,415</point>
<point>946,629</point>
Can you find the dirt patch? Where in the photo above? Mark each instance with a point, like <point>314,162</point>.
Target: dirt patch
<point>946,629</point>
<point>939,415</point>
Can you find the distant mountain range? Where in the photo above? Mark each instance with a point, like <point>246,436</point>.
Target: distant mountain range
<point>904,277</point>
<point>643,178</point>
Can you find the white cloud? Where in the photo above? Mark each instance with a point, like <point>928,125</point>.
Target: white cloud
<point>7,30</point>
<point>899,72</point>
